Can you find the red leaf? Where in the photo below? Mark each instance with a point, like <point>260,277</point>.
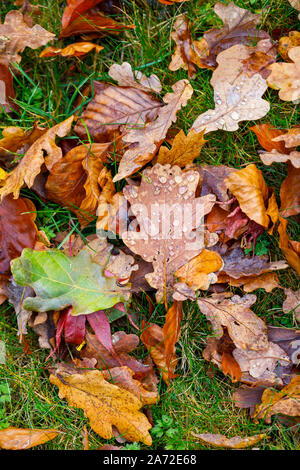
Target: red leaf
<point>75,8</point>
<point>100,324</point>
<point>75,328</point>
<point>60,328</point>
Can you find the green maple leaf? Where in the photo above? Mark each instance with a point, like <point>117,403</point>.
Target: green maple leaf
<point>60,281</point>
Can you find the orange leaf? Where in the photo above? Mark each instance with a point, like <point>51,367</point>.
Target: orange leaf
<point>76,49</point>
<point>171,331</point>
<point>20,439</point>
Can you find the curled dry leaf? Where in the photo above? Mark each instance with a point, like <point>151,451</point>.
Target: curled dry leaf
<point>199,272</point>
<point>17,229</point>
<point>240,27</point>
<point>183,56</point>
<point>105,405</point>
<point>15,35</point>
<point>251,191</point>
<point>75,180</point>
<point>76,49</point>
<point>284,76</point>
<point>292,303</point>
<point>60,281</point>
<point>185,148</point>
<point>21,439</point>
<point>284,402</point>
<point>30,165</point>
<point>236,442</point>
<point>145,141</point>
<point>114,108</point>
<point>164,192</point>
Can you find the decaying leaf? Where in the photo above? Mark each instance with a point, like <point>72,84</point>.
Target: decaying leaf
<point>292,303</point>
<point>165,238</point>
<point>145,141</point>
<point>21,439</point>
<point>185,148</point>
<point>30,165</point>
<point>113,108</point>
<point>251,191</point>
<point>236,442</point>
<point>239,28</point>
<point>17,229</point>
<point>76,49</point>
<point>104,404</point>
<point>285,402</point>
<point>182,57</point>
<point>284,76</point>
<point>15,35</point>
<point>60,281</point>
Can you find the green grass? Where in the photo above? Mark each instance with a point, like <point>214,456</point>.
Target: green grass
<point>47,93</point>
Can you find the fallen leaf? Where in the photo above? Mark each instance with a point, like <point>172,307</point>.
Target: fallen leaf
<point>104,404</point>
<point>291,137</point>
<point>185,148</point>
<point>287,43</point>
<point>199,272</point>
<point>182,57</point>
<point>286,245</point>
<point>251,191</point>
<point>153,338</point>
<point>7,92</point>
<point>146,140</point>
<point>270,157</point>
<point>239,28</point>
<point>236,442</point>
<point>171,332</point>
<point>30,165</point>
<point>76,8</point>
<point>60,281</point>
<point>125,76</point>
<point>17,230</point>
<point>114,108</point>
<point>93,23</point>
<point>266,135</point>
<point>212,181</point>
<point>76,49</point>
<point>266,281</point>
<point>295,4</point>
<point>290,192</point>
<point>285,402</point>
<point>168,246</point>
<point>284,76</point>
<point>21,439</point>
<point>15,35</point>
<point>292,303</point>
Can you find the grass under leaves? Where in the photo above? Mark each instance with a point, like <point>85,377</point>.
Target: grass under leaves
<point>48,91</point>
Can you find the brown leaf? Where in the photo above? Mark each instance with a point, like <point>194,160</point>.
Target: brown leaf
<point>283,76</point>
<point>125,76</point>
<point>236,442</point>
<point>266,281</point>
<point>153,338</point>
<point>182,57</point>
<point>291,137</point>
<point>185,148</point>
<point>287,43</point>
<point>146,140</point>
<point>104,404</point>
<point>199,272</point>
<point>292,303</point>
<point>286,245</point>
<point>245,329</point>
<point>239,28</point>
<point>251,191</point>
<point>285,402</point>
<point>21,439</point>
<point>76,49</point>
<point>15,35</point>
<point>76,8</point>
<point>290,192</point>
<point>123,378</point>
<point>212,181</point>
<point>171,332</point>
<point>270,157</point>
<point>93,23</point>
<point>7,92</point>
<point>266,135</point>
<point>114,108</point>
<point>169,245</point>
<point>17,230</point>
<point>74,180</point>
<point>30,165</point>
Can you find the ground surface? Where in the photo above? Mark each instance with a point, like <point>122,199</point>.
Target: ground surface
<point>196,401</point>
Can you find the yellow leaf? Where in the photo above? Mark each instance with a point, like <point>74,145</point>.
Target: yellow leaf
<point>184,150</point>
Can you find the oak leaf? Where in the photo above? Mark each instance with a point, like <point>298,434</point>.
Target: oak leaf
<point>199,272</point>
<point>170,243</point>
<point>291,137</point>
<point>285,402</point>
<point>30,165</point>
<point>21,439</point>
<point>239,28</point>
<point>185,148</point>
<point>60,281</point>
<point>105,405</point>
<point>266,281</point>
<point>76,49</point>
<point>146,140</point>
<point>236,442</point>
<point>267,137</point>
<point>284,76</point>
<point>125,76</point>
